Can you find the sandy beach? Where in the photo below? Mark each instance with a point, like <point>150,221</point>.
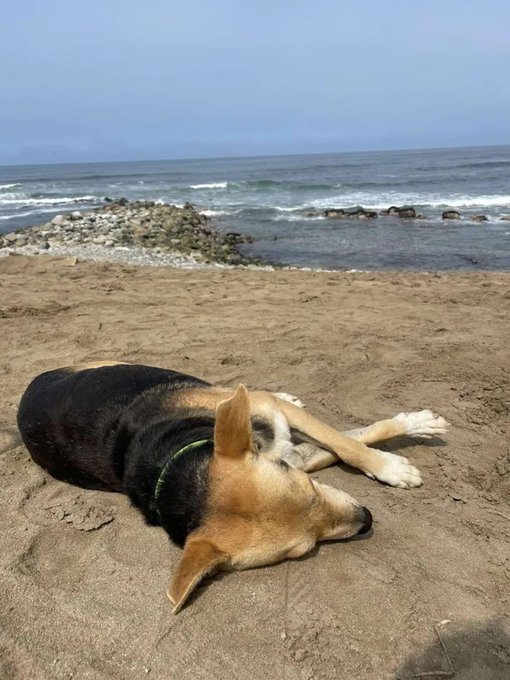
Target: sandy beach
<point>83,578</point>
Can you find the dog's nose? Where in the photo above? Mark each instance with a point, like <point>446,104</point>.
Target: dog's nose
<point>367,520</point>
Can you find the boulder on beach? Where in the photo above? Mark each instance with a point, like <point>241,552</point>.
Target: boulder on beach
<point>451,215</point>
<point>59,219</point>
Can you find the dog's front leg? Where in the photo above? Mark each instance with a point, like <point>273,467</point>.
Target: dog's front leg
<point>384,466</point>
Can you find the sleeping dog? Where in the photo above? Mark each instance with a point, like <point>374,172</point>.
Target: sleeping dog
<point>222,471</point>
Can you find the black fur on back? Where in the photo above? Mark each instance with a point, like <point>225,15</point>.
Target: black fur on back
<point>114,428</point>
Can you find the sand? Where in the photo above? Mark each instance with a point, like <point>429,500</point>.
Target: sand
<point>83,578</point>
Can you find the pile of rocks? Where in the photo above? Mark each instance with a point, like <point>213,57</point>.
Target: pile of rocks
<point>139,224</point>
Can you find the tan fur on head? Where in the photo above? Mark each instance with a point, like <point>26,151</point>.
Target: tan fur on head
<point>259,510</point>
<point>199,559</point>
<point>232,431</point>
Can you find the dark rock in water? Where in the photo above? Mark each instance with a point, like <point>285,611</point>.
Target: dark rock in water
<point>451,215</point>
<point>361,213</point>
<point>334,213</point>
<point>480,218</point>
<point>406,212</point>
<point>357,212</point>
<point>505,218</point>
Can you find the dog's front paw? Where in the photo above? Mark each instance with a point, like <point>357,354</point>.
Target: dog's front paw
<point>290,398</point>
<point>422,424</point>
<point>394,470</point>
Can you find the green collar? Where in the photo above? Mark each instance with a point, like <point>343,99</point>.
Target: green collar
<point>172,459</point>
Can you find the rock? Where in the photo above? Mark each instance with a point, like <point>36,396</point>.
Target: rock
<point>142,223</point>
<point>334,213</point>
<point>407,212</point>
<point>505,218</point>
<point>451,215</point>
<point>480,218</point>
<point>358,212</point>
<point>361,213</point>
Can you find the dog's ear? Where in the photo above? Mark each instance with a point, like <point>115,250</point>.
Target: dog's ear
<point>200,557</point>
<point>232,431</point>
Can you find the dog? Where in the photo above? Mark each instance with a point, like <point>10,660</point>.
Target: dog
<point>223,471</point>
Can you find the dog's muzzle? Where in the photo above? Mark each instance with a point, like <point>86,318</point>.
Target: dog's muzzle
<point>366,519</point>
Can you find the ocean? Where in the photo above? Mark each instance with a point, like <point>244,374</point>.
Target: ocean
<point>273,198</point>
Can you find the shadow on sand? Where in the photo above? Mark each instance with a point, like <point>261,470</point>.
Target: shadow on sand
<point>476,652</point>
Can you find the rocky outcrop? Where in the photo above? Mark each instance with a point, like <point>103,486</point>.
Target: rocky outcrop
<point>121,224</point>
<point>480,218</point>
<point>451,215</point>
<point>357,213</point>
<point>406,212</point>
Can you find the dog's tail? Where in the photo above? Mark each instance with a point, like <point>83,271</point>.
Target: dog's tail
<point>10,438</point>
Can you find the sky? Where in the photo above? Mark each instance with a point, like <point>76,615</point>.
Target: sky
<point>130,80</point>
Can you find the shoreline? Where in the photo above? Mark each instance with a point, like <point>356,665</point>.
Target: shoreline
<point>138,232</point>
<point>158,234</point>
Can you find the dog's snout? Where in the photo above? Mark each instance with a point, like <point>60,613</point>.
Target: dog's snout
<point>366,519</point>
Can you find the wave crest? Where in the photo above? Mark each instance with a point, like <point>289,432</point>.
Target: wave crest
<point>210,185</point>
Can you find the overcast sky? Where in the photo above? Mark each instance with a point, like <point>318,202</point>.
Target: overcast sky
<point>153,79</point>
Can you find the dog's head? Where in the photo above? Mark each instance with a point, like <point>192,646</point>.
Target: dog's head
<point>259,511</point>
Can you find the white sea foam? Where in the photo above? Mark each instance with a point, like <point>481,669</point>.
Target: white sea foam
<point>384,200</point>
<point>9,186</point>
<point>20,200</point>
<point>216,213</point>
<point>212,185</point>
<point>297,217</point>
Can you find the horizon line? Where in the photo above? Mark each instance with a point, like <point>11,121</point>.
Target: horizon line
<point>263,155</point>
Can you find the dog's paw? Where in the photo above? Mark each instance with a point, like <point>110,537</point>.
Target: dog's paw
<point>290,398</point>
<point>394,470</point>
<point>422,424</point>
